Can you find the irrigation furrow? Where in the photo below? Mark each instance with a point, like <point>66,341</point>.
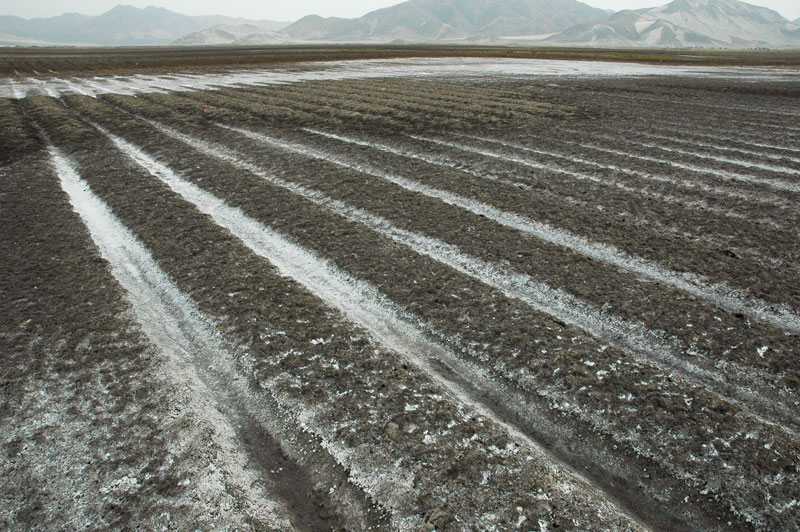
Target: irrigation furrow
<point>728,192</point>
<point>777,184</point>
<point>683,140</point>
<point>446,97</point>
<point>681,183</point>
<point>316,231</point>
<point>98,431</point>
<point>724,233</point>
<point>375,396</point>
<point>359,302</point>
<point>355,300</point>
<point>725,107</point>
<point>744,139</point>
<point>745,200</point>
<point>633,337</point>
<point>733,162</point>
<point>727,122</point>
<point>752,236</point>
<point>795,131</point>
<point>184,338</point>
<point>378,193</point>
<point>723,296</point>
<point>706,222</point>
<point>296,439</point>
<point>620,292</point>
<point>290,102</point>
<point>723,121</point>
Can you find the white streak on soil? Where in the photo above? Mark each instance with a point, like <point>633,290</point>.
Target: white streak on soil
<point>737,162</point>
<point>676,128</point>
<point>777,184</point>
<point>16,91</point>
<point>719,147</point>
<point>633,337</point>
<point>361,304</point>
<point>719,294</point>
<point>418,67</point>
<point>75,87</point>
<point>722,191</point>
<point>173,324</point>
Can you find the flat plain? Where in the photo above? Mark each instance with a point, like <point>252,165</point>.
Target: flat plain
<point>407,294</point>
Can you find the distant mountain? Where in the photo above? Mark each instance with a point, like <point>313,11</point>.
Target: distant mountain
<point>449,20</point>
<point>688,23</point>
<point>241,34</point>
<point>681,23</point>
<point>122,25</point>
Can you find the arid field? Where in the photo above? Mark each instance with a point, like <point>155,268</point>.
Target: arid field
<point>411,294</point>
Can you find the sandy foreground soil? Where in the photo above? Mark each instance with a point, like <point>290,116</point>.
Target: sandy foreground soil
<point>429,294</point>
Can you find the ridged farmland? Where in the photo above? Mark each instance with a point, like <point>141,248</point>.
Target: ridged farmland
<point>423,300</point>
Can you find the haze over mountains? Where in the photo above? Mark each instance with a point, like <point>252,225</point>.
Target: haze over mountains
<point>681,23</point>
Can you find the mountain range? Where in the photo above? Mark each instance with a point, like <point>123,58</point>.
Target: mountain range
<point>122,25</point>
<point>449,20</point>
<point>243,34</point>
<point>681,23</point>
<point>688,23</point>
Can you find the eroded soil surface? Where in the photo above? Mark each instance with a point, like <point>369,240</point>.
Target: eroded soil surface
<point>435,302</point>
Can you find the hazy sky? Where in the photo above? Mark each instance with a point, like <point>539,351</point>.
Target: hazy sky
<point>292,10</point>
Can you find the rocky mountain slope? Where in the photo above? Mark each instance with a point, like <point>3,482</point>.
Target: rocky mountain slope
<point>449,20</point>
<point>236,34</point>
<point>689,23</point>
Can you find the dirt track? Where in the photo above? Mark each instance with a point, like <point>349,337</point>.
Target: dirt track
<point>450,303</point>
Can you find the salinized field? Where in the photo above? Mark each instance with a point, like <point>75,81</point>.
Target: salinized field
<point>411,295</point>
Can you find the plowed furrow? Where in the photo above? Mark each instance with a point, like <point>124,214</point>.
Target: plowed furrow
<point>745,155</point>
<point>596,250</point>
<point>264,412</point>
<point>665,251</point>
<point>746,139</point>
<point>323,236</point>
<point>626,295</point>
<point>357,301</point>
<point>744,110</point>
<point>643,344</point>
<point>100,429</point>
<point>691,222</point>
<point>731,201</point>
<point>522,185</point>
<point>773,176</point>
<point>720,119</point>
<point>406,473</point>
<point>612,145</point>
<point>432,95</point>
<point>173,324</point>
